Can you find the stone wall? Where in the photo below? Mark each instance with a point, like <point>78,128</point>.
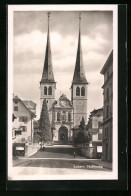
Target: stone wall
<point>87,151</point>
<point>30,149</point>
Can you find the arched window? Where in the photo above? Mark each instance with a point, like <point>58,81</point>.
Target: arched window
<point>77,91</point>
<point>58,116</point>
<point>45,90</point>
<point>82,91</point>
<point>69,116</point>
<point>50,90</point>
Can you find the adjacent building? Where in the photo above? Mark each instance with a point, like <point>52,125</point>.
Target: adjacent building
<point>24,114</point>
<point>107,71</point>
<point>94,127</point>
<point>64,114</point>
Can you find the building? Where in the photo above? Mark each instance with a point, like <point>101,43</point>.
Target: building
<point>94,127</point>
<point>23,124</point>
<point>107,71</point>
<point>64,114</point>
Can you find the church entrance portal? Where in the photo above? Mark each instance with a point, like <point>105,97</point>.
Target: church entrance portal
<point>63,134</point>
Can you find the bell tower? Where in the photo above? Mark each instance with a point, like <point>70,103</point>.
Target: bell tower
<point>47,83</point>
<point>79,85</point>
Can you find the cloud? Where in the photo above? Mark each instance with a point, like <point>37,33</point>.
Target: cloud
<point>30,37</point>
<point>33,42</point>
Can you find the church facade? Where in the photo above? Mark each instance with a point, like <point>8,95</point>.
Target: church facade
<point>64,114</point>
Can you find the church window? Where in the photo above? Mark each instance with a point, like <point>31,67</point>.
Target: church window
<point>45,90</point>
<point>69,116</point>
<point>50,90</point>
<point>77,91</point>
<point>82,91</point>
<point>58,116</point>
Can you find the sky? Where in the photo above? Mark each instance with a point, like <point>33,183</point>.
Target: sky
<point>29,44</point>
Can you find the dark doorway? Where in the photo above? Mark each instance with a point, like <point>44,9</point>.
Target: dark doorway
<point>63,134</point>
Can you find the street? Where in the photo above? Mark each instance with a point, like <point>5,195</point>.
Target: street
<point>54,163</point>
<point>59,162</point>
<point>60,157</point>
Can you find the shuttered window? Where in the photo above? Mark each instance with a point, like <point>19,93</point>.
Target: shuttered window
<point>23,118</point>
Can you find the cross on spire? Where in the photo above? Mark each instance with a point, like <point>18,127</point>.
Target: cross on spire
<point>79,21</point>
<point>48,20</point>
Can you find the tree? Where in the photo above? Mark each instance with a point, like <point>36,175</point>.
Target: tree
<point>45,127</point>
<point>82,126</point>
<point>83,135</point>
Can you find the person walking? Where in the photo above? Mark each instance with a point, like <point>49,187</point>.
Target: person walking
<point>74,154</point>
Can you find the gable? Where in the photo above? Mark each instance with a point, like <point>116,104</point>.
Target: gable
<point>22,110</point>
<point>63,102</point>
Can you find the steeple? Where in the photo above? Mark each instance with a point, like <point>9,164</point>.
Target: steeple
<point>47,75</point>
<point>79,74</point>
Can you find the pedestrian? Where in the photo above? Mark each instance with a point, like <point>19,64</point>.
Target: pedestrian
<point>74,154</point>
<point>99,157</point>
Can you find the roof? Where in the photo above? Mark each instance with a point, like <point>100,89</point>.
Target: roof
<point>95,112</point>
<point>107,63</point>
<point>13,116</point>
<point>47,75</point>
<point>79,74</point>
<point>16,98</point>
<point>64,99</point>
<point>30,105</point>
<point>99,112</point>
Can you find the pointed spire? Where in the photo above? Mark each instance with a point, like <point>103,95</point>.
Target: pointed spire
<point>48,75</point>
<point>79,74</point>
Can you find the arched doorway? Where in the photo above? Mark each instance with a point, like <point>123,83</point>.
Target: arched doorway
<point>63,134</point>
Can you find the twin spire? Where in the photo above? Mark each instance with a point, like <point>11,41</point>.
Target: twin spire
<point>79,74</point>
<point>48,75</point>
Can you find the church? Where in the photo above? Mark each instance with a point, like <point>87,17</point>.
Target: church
<point>64,114</point>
